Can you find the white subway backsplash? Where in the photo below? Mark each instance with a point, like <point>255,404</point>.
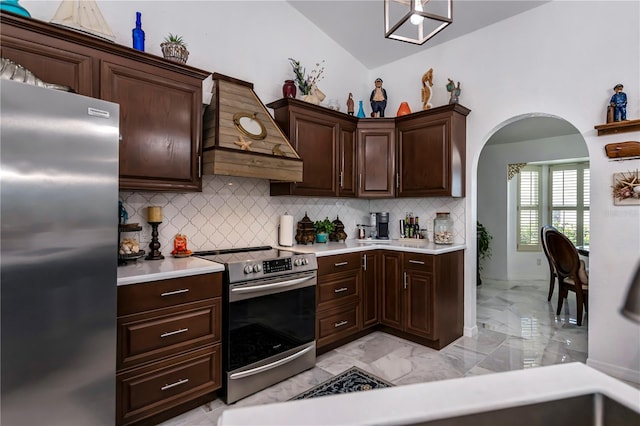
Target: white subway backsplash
<point>239,212</point>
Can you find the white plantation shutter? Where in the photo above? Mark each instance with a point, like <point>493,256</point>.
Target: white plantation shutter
<point>569,193</point>
<point>529,207</point>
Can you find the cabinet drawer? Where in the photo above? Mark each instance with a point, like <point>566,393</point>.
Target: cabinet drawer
<point>421,262</point>
<point>341,263</point>
<point>148,337</point>
<point>337,323</point>
<point>157,387</point>
<point>166,293</point>
<point>337,288</point>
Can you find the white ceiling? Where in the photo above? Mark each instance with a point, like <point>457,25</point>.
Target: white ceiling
<point>532,128</point>
<point>358,25</point>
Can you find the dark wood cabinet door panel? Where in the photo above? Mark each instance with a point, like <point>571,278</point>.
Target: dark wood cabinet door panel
<point>160,123</point>
<point>376,159</point>
<point>316,142</point>
<point>370,289</point>
<point>347,160</point>
<point>424,156</point>
<point>156,387</point>
<point>391,290</point>
<point>150,336</point>
<point>420,304</point>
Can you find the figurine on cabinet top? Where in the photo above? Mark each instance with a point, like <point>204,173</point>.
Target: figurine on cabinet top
<point>455,91</point>
<point>619,103</point>
<point>427,77</point>
<point>350,104</point>
<point>378,99</point>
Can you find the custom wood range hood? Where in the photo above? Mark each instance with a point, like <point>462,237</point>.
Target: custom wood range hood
<point>240,137</point>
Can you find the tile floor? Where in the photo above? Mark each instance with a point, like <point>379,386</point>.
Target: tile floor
<point>517,328</point>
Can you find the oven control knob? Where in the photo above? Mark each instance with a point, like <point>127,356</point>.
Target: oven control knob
<point>248,269</point>
<point>305,261</point>
<point>297,262</point>
<point>257,268</point>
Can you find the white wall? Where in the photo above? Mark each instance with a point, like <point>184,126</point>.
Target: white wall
<point>562,58</point>
<point>506,263</point>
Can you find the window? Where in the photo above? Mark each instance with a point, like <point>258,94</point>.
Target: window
<point>529,208</point>
<point>569,200</point>
<point>556,194</point>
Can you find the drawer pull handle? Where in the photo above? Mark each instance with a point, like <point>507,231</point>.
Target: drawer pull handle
<point>340,290</point>
<point>340,324</point>
<point>173,385</point>
<point>419,262</point>
<point>171,333</point>
<point>340,263</point>
<point>171,293</point>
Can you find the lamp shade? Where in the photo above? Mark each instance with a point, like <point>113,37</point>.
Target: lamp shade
<point>631,308</point>
<point>416,21</point>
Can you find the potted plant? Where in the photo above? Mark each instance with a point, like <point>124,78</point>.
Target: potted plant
<point>175,49</point>
<point>323,229</point>
<point>483,247</point>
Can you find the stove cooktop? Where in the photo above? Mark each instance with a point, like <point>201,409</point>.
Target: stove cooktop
<point>243,264</point>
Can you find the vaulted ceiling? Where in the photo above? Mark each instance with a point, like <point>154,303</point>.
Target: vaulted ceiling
<point>358,25</point>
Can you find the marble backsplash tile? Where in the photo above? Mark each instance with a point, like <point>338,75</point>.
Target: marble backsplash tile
<point>239,212</point>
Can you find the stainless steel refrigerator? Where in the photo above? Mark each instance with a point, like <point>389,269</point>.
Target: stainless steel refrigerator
<point>58,257</point>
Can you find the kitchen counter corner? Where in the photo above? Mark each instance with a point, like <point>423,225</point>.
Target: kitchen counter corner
<point>153,270</point>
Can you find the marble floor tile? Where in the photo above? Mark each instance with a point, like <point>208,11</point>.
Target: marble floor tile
<point>517,328</point>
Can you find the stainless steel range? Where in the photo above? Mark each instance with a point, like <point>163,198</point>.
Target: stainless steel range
<point>269,317</point>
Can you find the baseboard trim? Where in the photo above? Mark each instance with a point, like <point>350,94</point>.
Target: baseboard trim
<point>618,372</point>
<point>470,331</point>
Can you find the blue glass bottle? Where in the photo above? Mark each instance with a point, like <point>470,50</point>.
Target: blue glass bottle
<point>138,34</point>
<point>361,111</point>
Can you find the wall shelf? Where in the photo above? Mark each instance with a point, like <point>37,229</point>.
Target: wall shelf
<point>618,127</point>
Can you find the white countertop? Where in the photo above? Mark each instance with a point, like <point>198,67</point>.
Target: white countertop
<point>422,402</point>
<point>170,267</point>
<point>350,246</point>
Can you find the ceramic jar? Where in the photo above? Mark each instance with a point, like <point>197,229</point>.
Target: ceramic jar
<point>403,110</point>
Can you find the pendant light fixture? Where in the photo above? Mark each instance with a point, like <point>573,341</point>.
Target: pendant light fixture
<point>416,21</point>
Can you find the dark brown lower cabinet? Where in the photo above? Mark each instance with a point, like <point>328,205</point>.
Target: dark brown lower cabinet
<point>169,347</point>
<point>370,289</point>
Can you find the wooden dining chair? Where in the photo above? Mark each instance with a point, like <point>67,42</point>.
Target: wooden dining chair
<point>552,269</point>
<point>570,269</point>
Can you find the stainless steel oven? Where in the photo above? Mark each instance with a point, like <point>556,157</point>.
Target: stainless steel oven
<point>269,318</point>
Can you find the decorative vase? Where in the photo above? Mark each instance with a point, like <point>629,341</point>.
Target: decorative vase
<point>137,34</point>
<point>403,110</point>
<point>289,89</point>
<point>361,110</point>
<point>14,7</point>
<point>175,52</point>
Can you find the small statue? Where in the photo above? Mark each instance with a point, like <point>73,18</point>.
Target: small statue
<point>122,213</point>
<point>350,104</point>
<point>427,77</point>
<point>378,99</point>
<point>455,91</point>
<point>619,103</point>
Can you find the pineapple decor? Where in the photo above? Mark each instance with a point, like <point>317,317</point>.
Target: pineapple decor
<point>175,49</point>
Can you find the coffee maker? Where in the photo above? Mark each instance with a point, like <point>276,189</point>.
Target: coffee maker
<point>382,225</point>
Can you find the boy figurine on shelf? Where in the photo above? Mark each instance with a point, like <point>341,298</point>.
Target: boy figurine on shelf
<point>619,103</point>
<point>378,99</point>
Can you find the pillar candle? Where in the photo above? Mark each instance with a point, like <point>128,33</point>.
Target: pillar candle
<point>154,214</point>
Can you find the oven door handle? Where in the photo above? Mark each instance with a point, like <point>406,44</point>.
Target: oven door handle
<point>263,287</point>
<point>275,364</point>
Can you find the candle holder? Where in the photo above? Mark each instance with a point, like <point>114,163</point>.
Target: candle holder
<point>154,245</point>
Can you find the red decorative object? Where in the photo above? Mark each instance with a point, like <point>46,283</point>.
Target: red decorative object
<point>403,110</point>
<point>289,89</point>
